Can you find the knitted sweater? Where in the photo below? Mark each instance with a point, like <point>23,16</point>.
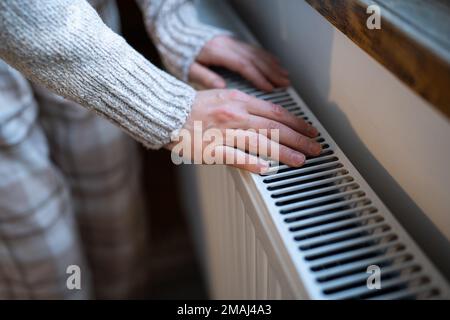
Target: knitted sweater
<point>64,45</point>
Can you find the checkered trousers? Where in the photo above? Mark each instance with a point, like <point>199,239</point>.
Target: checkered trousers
<point>69,195</point>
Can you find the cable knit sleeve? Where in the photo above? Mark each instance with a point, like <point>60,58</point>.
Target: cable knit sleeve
<point>64,45</point>
<point>177,33</point>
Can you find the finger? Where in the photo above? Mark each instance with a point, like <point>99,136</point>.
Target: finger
<point>245,68</point>
<point>250,72</point>
<point>258,144</point>
<point>287,136</point>
<point>276,112</point>
<point>205,77</point>
<point>239,159</point>
<point>267,56</point>
<point>271,70</point>
<point>251,51</point>
<point>270,58</point>
<point>229,58</point>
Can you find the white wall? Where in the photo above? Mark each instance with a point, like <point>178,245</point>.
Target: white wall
<point>399,143</point>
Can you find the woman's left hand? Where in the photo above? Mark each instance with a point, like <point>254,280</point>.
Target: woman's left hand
<point>254,64</point>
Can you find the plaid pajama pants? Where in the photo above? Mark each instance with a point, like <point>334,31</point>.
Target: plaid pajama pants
<point>69,195</point>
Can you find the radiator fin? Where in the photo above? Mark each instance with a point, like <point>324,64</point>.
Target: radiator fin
<point>238,259</point>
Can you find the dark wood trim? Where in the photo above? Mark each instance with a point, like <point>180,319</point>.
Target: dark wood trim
<point>413,42</point>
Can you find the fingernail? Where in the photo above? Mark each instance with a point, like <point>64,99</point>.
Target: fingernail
<point>315,148</point>
<point>298,159</point>
<point>313,131</point>
<point>218,84</point>
<point>264,167</point>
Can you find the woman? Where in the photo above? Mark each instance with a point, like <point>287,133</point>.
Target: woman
<point>70,165</point>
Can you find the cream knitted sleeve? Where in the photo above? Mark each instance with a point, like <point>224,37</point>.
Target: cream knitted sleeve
<point>178,34</point>
<point>64,45</point>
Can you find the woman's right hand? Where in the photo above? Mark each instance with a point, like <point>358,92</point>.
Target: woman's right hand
<point>232,109</point>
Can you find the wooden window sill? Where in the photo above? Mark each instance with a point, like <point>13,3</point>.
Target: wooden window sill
<point>413,42</point>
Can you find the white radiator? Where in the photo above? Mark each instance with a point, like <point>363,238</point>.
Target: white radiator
<point>240,262</point>
<point>305,233</point>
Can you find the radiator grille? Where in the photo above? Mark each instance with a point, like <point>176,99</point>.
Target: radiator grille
<point>334,224</point>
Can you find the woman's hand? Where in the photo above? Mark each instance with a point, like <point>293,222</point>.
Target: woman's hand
<point>232,109</point>
<point>254,64</point>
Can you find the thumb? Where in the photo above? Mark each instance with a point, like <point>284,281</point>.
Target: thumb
<point>203,76</point>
